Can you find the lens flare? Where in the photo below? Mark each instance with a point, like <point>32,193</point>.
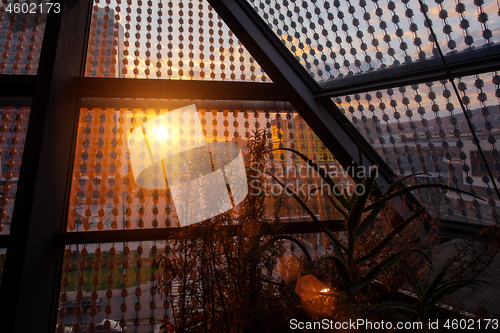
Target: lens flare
<point>160,133</point>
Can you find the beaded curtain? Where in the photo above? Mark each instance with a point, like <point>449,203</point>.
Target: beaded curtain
<point>334,39</point>
<point>13,128</point>
<point>112,285</point>
<point>105,195</point>
<point>415,128</point>
<point>183,39</point>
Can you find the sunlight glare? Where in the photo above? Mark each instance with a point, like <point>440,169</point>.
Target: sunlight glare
<point>160,133</point>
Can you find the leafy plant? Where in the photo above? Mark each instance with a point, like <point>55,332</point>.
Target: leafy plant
<point>223,279</point>
<point>358,267</point>
<point>436,291</point>
<point>217,280</point>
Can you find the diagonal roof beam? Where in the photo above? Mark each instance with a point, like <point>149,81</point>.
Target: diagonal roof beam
<point>459,64</point>
<point>321,114</point>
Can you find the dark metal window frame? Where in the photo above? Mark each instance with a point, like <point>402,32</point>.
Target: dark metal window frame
<point>35,245</point>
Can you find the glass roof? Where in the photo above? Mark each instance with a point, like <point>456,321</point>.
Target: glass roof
<point>421,128</point>
<point>175,40</point>
<point>105,190</point>
<point>334,39</point>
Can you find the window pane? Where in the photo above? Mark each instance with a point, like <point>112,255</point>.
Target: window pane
<point>334,39</point>
<point>113,187</point>
<point>110,280</point>
<point>21,35</point>
<point>13,127</point>
<point>174,40</point>
<point>422,128</point>
<point>119,282</point>
<point>2,262</point>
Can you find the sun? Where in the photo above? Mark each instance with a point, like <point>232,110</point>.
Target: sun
<point>160,133</point>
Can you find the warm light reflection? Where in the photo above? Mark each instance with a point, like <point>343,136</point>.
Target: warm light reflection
<point>308,287</point>
<point>289,267</point>
<point>160,133</point>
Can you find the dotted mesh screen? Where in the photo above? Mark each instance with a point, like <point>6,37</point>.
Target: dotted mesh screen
<point>334,39</point>
<point>113,285</point>
<point>2,262</point>
<point>422,128</point>
<point>183,39</point>
<point>21,36</point>
<point>13,128</point>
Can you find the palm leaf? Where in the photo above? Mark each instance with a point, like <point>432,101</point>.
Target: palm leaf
<point>416,187</point>
<point>415,285</point>
<point>398,181</point>
<point>357,211</point>
<point>389,237</point>
<point>344,275</point>
<point>374,272</point>
<point>433,286</point>
<point>368,220</point>
<point>323,175</point>
<point>336,204</point>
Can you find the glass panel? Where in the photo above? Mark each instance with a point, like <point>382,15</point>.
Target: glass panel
<point>123,156</point>
<point>117,284</point>
<point>21,35</point>
<point>112,282</point>
<point>421,128</point>
<point>183,39</point>
<point>334,39</point>
<point>13,128</point>
<point>463,25</point>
